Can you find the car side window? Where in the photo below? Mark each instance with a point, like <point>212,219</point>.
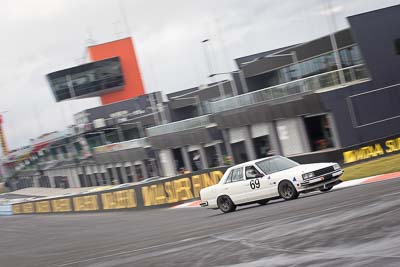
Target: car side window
<point>251,172</point>
<point>229,178</point>
<point>236,175</point>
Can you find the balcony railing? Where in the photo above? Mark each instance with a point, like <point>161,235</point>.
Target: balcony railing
<point>326,80</point>
<point>135,143</point>
<point>172,127</point>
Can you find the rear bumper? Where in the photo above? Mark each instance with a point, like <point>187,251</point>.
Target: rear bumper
<point>204,204</point>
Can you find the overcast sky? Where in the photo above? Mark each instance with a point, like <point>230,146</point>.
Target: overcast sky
<point>42,36</point>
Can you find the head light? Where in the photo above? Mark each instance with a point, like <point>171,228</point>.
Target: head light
<point>336,166</point>
<point>308,175</point>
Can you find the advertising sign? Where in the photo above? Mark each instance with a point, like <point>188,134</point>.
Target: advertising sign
<point>161,193</point>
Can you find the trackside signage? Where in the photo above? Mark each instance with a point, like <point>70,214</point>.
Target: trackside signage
<point>162,193</point>
<point>372,150</point>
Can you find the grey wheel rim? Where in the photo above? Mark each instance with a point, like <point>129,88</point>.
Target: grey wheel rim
<point>224,203</point>
<point>287,191</point>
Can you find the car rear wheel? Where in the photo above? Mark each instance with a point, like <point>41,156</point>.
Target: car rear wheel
<point>326,188</point>
<point>225,204</point>
<point>287,190</point>
<point>263,202</point>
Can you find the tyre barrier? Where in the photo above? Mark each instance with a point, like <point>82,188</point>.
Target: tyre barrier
<point>165,192</point>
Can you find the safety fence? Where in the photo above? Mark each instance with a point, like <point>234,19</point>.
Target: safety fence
<point>161,193</point>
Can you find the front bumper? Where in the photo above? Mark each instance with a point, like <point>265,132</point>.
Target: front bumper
<point>326,179</point>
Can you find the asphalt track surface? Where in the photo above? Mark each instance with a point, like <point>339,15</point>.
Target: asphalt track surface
<point>357,226</point>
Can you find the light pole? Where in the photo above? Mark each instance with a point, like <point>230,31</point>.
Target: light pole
<point>335,50</point>
<point>207,56</point>
<point>211,69</point>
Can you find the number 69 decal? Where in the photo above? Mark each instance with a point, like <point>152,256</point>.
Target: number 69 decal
<point>255,184</point>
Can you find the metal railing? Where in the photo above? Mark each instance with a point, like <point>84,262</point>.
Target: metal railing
<point>134,143</point>
<point>326,80</point>
<point>172,127</point>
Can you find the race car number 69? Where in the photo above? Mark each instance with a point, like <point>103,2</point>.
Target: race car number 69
<point>255,184</point>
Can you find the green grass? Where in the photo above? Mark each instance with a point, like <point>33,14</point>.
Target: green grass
<point>374,167</point>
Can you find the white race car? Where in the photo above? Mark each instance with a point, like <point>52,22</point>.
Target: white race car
<point>275,177</point>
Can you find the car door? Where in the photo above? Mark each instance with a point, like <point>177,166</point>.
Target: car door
<point>236,187</point>
<point>275,172</point>
<point>258,184</point>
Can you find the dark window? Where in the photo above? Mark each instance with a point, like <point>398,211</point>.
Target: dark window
<point>319,132</point>
<point>44,181</point>
<point>104,178</point>
<point>94,140</point>
<point>78,147</point>
<point>89,180</point>
<point>397,46</point>
<point>251,172</point>
<point>53,152</point>
<point>112,136</point>
<point>61,182</point>
<point>235,175</point>
<point>179,163</point>
<point>262,146</point>
<point>229,178</point>
<point>239,152</point>
<point>110,174</point>
<point>119,173</point>
<point>151,168</point>
<point>212,156</point>
<point>97,178</point>
<point>195,159</point>
<point>139,173</point>
<point>131,133</point>
<point>129,174</point>
<point>82,180</point>
<point>276,164</point>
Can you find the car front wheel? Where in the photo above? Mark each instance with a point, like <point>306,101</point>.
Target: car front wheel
<point>287,190</point>
<point>225,204</point>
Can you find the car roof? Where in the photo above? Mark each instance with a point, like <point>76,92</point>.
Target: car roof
<point>251,162</point>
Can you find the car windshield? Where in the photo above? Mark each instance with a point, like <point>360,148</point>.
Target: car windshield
<point>276,164</point>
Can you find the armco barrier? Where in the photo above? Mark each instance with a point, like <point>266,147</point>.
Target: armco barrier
<point>161,193</point>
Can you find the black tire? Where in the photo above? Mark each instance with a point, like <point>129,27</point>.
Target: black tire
<point>287,191</point>
<point>326,188</point>
<point>263,202</point>
<point>225,204</point>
